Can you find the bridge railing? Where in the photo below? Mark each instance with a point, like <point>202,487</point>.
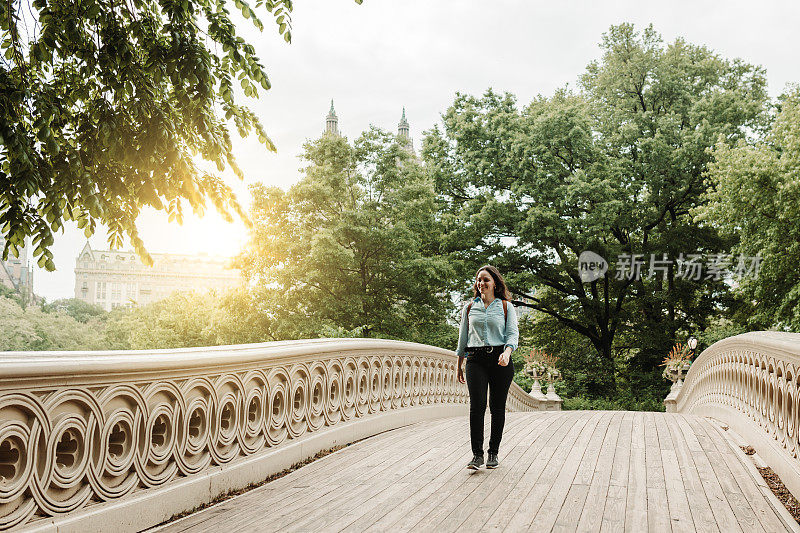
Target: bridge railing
<point>124,440</point>
<point>751,382</point>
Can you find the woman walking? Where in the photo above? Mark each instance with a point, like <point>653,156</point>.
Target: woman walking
<point>487,336</point>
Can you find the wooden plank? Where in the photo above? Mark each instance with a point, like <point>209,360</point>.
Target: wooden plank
<point>494,479</point>
<point>657,510</point>
<point>564,471</point>
<point>284,487</point>
<point>556,492</point>
<point>663,434</point>
<point>544,451</point>
<point>477,508</point>
<point>585,471</point>
<point>453,474</point>
<point>457,489</point>
<point>740,505</point>
<point>427,486</point>
<point>430,490</point>
<point>354,494</point>
<point>636,494</point>
<point>657,513</point>
<point>747,480</point>
<point>340,474</point>
<point>567,519</point>
<point>755,513</point>
<point>677,501</point>
<point>619,469</point>
<point>348,478</point>
<point>420,480</point>
<point>720,506</point>
<point>544,500</point>
<point>591,516</point>
<point>355,456</point>
<point>637,434</point>
<point>702,516</point>
<point>392,495</point>
<point>287,487</point>
<point>655,470</point>
<point>614,511</point>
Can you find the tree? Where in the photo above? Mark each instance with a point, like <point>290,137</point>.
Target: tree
<point>11,294</point>
<point>184,319</point>
<point>77,309</point>
<point>104,106</point>
<point>755,197</point>
<point>614,169</point>
<point>352,247</point>
<point>31,329</point>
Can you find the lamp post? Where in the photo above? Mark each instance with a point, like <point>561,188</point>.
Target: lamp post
<point>692,344</point>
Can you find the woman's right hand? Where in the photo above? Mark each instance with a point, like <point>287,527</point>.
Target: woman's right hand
<point>461,373</point>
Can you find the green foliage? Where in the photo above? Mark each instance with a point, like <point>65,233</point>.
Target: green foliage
<point>614,168</point>
<point>616,404</point>
<point>755,196</point>
<point>184,319</point>
<point>104,108</point>
<point>11,294</point>
<point>352,247</point>
<point>718,329</point>
<point>31,329</point>
<point>76,308</point>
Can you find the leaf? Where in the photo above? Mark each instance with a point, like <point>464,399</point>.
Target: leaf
<point>110,99</point>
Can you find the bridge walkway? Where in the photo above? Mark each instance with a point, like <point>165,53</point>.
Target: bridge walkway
<point>559,471</point>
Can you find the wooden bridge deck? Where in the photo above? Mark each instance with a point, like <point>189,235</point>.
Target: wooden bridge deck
<point>563,471</point>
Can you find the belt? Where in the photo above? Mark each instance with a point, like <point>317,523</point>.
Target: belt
<point>485,350</point>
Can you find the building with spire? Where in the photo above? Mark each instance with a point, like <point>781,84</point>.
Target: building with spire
<point>332,122</point>
<point>403,128</point>
<point>403,133</point>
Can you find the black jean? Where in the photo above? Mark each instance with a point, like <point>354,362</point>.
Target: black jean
<point>483,372</point>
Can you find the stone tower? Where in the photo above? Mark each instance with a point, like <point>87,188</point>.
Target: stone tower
<point>403,135</point>
<point>332,122</point>
<point>402,127</point>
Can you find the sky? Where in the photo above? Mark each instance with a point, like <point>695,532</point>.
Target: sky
<point>376,58</point>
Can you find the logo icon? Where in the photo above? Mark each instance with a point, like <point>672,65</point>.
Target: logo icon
<point>591,266</point>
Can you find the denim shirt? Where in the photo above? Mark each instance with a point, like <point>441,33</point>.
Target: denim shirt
<point>487,326</point>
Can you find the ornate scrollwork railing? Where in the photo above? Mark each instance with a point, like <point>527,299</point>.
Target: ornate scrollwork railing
<point>750,381</point>
<point>79,429</point>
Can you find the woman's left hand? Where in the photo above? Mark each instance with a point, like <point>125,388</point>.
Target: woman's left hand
<point>505,357</point>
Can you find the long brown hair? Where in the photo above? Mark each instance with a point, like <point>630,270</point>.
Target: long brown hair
<point>500,287</point>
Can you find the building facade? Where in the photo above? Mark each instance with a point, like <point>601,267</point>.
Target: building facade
<point>16,273</point>
<point>111,278</point>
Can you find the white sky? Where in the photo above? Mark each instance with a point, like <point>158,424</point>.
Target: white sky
<point>376,58</point>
